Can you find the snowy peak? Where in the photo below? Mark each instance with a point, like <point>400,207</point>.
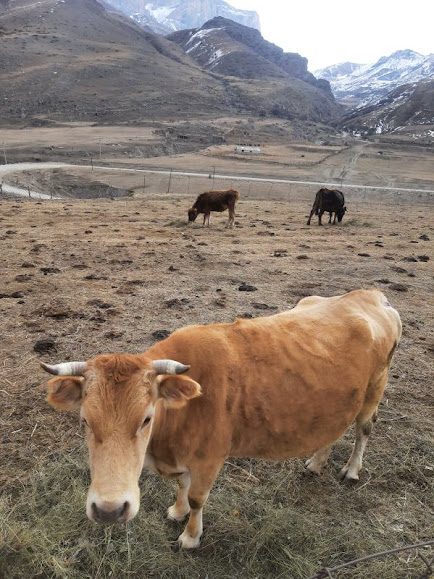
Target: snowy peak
<point>367,83</point>
<point>336,71</point>
<point>166,16</point>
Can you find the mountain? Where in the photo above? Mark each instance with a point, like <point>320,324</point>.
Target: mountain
<point>367,83</point>
<point>73,60</point>
<point>165,16</point>
<point>408,109</point>
<point>337,72</point>
<point>229,48</point>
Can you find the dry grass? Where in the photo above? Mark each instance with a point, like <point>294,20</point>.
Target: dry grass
<point>109,289</point>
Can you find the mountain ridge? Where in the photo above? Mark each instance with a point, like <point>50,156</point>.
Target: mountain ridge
<point>360,85</point>
<point>406,109</point>
<point>65,60</point>
<point>166,16</point>
<point>233,49</point>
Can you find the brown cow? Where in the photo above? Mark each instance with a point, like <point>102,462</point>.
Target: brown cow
<point>330,200</point>
<point>215,201</point>
<point>273,387</point>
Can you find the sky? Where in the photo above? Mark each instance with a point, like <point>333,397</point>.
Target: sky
<point>333,31</point>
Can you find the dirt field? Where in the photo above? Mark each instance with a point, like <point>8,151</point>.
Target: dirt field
<point>186,146</point>
<point>81,278</point>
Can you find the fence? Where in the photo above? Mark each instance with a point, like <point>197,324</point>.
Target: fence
<point>171,182</point>
<point>429,574</point>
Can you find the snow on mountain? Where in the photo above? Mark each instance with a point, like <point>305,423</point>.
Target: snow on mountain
<point>365,84</point>
<point>337,71</point>
<point>410,107</point>
<point>166,16</point>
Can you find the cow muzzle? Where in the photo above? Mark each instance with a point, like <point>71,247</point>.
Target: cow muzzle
<point>108,515</point>
<point>111,512</point>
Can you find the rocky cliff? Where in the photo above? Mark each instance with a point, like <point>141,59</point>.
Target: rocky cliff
<point>165,16</point>
<point>231,49</point>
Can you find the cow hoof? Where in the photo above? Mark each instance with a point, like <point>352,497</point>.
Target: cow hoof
<point>174,514</point>
<point>347,474</point>
<point>187,542</point>
<point>314,468</point>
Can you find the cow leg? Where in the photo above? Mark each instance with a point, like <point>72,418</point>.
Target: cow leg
<point>310,216</point>
<point>201,483</point>
<point>319,460</point>
<point>206,218</point>
<point>364,424</point>
<point>330,217</point>
<point>334,220</point>
<point>181,508</point>
<point>352,468</point>
<point>319,217</point>
<point>231,221</point>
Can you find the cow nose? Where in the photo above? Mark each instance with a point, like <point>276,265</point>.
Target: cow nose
<point>109,515</point>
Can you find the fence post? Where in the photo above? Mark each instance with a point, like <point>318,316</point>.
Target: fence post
<point>170,178</point>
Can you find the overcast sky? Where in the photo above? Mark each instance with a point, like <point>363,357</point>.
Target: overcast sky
<point>333,31</point>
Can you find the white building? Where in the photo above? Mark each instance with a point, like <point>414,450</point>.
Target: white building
<point>250,149</point>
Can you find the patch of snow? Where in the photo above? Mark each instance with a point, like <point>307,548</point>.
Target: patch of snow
<point>159,13</point>
<point>193,47</point>
<point>216,56</point>
<point>201,34</point>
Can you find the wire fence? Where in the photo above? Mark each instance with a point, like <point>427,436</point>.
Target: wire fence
<point>427,574</point>
<point>175,182</point>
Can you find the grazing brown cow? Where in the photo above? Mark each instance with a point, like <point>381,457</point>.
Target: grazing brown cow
<point>273,387</point>
<point>330,200</point>
<point>215,201</point>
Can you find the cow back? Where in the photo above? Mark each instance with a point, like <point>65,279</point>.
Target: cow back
<point>331,199</point>
<point>216,200</point>
<point>269,385</point>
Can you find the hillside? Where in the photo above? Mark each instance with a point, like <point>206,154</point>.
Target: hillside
<point>72,60</point>
<point>232,49</point>
<point>165,16</point>
<point>409,109</point>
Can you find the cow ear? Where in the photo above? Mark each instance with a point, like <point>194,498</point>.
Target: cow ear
<point>176,391</point>
<point>65,392</point>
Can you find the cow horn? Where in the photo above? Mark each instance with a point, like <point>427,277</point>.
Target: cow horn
<point>169,367</point>
<point>65,369</point>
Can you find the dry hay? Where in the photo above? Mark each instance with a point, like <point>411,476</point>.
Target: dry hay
<point>101,276</point>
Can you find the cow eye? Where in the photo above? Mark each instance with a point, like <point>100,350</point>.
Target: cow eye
<point>84,422</point>
<point>146,422</point>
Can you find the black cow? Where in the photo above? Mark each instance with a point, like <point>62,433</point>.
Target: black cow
<point>215,201</point>
<point>330,200</point>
